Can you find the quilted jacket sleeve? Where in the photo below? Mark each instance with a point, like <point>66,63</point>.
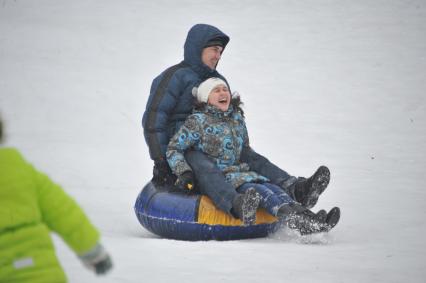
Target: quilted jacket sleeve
<point>187,137</point>
<point>165,92</point>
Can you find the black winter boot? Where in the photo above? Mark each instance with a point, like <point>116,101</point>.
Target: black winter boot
<point>306,224</point>
<point>244,206</point>
<point>322,215</point>
<point>303,220</point>
<point>308,190</point>
<point>331,218</point>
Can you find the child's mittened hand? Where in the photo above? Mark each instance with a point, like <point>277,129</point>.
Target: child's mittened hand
<point>97,260</point>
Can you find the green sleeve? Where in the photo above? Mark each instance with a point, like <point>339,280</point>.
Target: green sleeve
<point>64,216</point>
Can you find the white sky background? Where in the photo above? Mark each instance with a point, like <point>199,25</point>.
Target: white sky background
<point>340,83</point>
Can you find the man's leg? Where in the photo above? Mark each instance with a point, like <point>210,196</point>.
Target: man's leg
<point>264,167</point>
<point>302,190</point>
<point>210,180</point>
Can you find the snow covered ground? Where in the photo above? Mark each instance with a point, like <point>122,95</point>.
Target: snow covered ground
<point>340,83</point>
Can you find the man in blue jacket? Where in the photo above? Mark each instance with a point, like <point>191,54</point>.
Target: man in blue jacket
<point>171,101</point>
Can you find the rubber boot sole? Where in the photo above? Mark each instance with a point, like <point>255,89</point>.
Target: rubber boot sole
<point>333,217</point>
<point>319,183</point>
<point>250,204</point>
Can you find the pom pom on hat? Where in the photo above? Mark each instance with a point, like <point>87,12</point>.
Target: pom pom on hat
<point>203,91</point>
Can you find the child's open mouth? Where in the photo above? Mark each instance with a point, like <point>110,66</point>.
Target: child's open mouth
<point>223,100</point>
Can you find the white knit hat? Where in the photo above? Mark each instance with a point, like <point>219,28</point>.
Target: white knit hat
<point>204,89</point>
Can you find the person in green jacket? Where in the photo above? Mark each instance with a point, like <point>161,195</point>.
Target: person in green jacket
<point>32,206</point>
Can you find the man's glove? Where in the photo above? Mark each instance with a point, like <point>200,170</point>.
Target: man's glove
<point>162,174</point>
<point>97,259</point>
<point>185,181</point>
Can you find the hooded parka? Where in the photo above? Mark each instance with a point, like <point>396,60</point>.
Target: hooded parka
<point>32,206</point>
<point>171,100</point>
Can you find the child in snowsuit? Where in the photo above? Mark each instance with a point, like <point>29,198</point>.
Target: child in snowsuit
<point>218,129</point>
<point>170,102</point>
<point>31,206</point>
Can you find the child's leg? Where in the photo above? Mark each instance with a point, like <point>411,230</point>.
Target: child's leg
<point>306,222</point>
<point>278,191</point>
<point>272,197</point>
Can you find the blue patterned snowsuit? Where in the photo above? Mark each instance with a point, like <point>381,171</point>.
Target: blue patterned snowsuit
<point>222,136</point>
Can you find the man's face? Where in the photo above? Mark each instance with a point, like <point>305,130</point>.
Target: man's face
<point>211,55</point>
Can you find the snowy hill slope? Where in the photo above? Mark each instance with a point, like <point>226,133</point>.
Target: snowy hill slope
<point>340,83</point>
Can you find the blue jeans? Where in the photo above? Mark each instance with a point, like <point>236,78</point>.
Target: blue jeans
<point>272,196</point>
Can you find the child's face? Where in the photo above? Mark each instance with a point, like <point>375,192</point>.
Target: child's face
<point>220,97</point>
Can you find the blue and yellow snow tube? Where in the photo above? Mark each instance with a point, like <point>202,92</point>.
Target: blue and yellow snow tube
<point>180,216</point>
